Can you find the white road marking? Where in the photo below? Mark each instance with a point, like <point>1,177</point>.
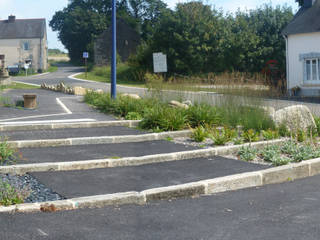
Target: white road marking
<point>49,121</point>
<point>63,106</point>
<point>37,116</point>
<point>42,233</point>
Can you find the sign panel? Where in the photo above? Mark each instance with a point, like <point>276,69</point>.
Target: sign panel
<point>85,55</point>
<point>160,62</point>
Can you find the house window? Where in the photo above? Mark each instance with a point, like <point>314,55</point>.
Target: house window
<point>312,69</point>
<point>26,46</point>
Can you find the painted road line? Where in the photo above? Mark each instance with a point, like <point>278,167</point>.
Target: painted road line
<point>63,106</point>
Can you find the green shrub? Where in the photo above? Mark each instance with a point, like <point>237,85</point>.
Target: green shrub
<point>302,153</point>
<point>238,141</point>
<point>289,147</point>
<point>7,153</point>
<point>317,121</point>
<point>247,153</point>
<point>10,195</point>
<point>270,134</point>
<point>199,134</point>
<point>203,114</point>
<point>251,136</point>
<point>133,116</point>
<point>301,135</point>
<point>283,130</point>
<point>270,152</point>
<point>278,160</point>
<point>222,136</point>
<point>164,119</point>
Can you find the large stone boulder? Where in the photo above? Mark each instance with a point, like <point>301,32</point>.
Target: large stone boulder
<point>80,91</point>
<point>178,104</point>
<point>295,118</point>
<point>131,95</point>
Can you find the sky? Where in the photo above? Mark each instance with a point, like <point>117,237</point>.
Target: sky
<point>47,8</point>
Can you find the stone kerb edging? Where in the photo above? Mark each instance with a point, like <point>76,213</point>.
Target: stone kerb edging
<point>18,127</point>
<point>205,187</point>
<point>128,161</point>
<point>98,140</point>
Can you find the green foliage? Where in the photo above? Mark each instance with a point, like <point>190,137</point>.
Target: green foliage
<point>199,134</point>
<point>251,135</point>
<point>222,136</point>
<point>283,130</point>
<point>254,117</point>
<point>317,121</point>
<point>278,160</point>
<point>203,114</point>
<point>289,147</point>
<point>270,134</point>
<point>247,153</point>
<point>301,135</point>
<point>7,153</point>
<point>238,141</point>
<point>270,152</point>
<point>198,38</point>
<point>10,195</point>
<point>133,116</point>
<point>302,153</point>
<point>82,21</point>
<point>164,118</point>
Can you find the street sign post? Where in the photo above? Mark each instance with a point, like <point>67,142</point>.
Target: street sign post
<point>114,51</point>
<point>85,55</point>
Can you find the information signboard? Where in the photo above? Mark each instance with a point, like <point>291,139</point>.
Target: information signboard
<point>85,55</point>
<point>160,62</point>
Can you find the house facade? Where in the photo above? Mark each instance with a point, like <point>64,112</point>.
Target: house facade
<point>302,37</point>
<point>24,41</point>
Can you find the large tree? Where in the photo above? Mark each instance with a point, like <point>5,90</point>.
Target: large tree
<point>83,20</point>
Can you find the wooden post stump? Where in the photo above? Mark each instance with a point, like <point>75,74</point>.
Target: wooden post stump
<point>30,101</point>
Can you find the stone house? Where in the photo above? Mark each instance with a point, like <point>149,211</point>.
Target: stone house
<point>302,37</point>
<point>24,40</point>
<point>127,41</point>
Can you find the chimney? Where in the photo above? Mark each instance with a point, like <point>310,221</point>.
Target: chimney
<point>11,18</point>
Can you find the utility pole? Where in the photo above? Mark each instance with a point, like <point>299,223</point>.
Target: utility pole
<point>114,51</point>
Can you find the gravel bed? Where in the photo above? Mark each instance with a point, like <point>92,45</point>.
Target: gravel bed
<point>39,192</point>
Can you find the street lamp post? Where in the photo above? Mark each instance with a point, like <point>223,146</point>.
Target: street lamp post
<point>114,51</point>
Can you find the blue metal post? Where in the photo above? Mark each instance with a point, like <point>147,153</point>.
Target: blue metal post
<point>114,51</point>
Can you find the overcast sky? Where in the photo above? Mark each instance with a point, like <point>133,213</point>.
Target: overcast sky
<point>47,8</point>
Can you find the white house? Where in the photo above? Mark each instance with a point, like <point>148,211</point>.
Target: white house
<point>24,40</point>
<point>303,50</point>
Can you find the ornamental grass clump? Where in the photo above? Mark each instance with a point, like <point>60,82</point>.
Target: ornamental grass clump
<point>10,195</point>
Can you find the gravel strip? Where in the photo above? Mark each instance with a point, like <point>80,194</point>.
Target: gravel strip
<point>39,192</point>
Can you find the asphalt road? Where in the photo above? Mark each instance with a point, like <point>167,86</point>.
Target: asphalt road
<point>137,178</point>
<point>48,108</point>
<point>278,212</point>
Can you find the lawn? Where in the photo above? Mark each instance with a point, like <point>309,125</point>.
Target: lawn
<point>18,86</point>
